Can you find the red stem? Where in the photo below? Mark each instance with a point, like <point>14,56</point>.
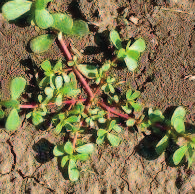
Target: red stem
<point>125,116</point>
<point>33,105</point>
<point>84,83</point>
<point>64,47</point>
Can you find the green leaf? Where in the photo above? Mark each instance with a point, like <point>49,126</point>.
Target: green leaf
<point>115,39</point>
<point>42,43</point>
<point>114,140</point>
<point>1,114</point>
<point>73,80</point>
<point>128,94</point>
<point>117,128</point>
<point>179,154</point>
<point>73,171</point>
<point>179,112</point>
<point>58,66</point>
<point>137,107</point>
<point>126,109</point>
<point>82,157</point>
<point>89,71</point>
<point>41,4</point>
<point>162,144</point>
<point>73,119</point>
<point>130,122</point>
<point>10,103</point>
<point>105,67</point>
<point>44,82</point>
<point>12,9</point>
<point>139,45</point>
<point>155,116</point>
<point>112,124</point>
<point>179,125</point>
<point>58,82</point>
<point>68,148</point>
<point>189,155</point>
<point>131,63</point>
<point>13,120</point>
<point>43,18</point>
<point>59,100</point>
<point>46,65</point>
<point>17,87</point>
<point>62,22</point>
<point>49,91</point>
<point>80,28</point>
<point>121,54</point>
<point>66,78</point>
<point>100,140</point>
<point>58,150</point>
<point>135,95</point>
<point>85,149</point>
<point>64,161</point>
<point>101,132</point>
<point>112,90</point>
<point>101,120</point>
<point>58,129</point>
<point>37,118</point>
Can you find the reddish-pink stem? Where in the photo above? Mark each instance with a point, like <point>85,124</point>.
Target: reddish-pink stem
<point>33,105</point>
<point>64,48</point>
<point>84,83</point>
<point>113,111</point>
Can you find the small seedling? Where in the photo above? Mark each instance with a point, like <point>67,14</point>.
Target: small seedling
<point>17,86</point>
<point>68,152</point>
<point>131,54</point>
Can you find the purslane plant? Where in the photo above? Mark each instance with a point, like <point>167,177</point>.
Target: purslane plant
<point>40,16</point>
<point>131,53</point>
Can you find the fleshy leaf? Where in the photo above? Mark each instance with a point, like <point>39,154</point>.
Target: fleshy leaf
<point>58,66</point>
<point>178,113</point>
<point>162,144</point>
<point>82,157</point>
<point>100,139</point>
<point>80,28</point>
<point>42,43</point>
<point>49,92</point>
<point>85,149</point>
<point>17,87</point>
<point>58,150</point>
<point>130,122</point>
<point>139,45</point>
<point>42,4</point>
<point>89,71</point>
<point>179,154</point>
<point>117,128</point>
<point>135,95</point>
<point>179,126</point>
<point>137,107</point>
<point>64,161</point>
<point>46,65</point>
<point>59,100</point>
<point>128,94</point>
<point>121,54</point>
<point>37,118</point>
<point>43,18</point>
<point>1,113</point>
<point>72,170</point>
<point>115,39</point>
<point>10,103</point>
<point>72,119</point>
<point>58,82</point>
<point>68,148</point>
<point>101,132</point>
<point>131,63</point>
<point>114,140</point>
<point>62,22</point>
<point>13,120</point>
<point>12,9</point>
<point>58,128</point>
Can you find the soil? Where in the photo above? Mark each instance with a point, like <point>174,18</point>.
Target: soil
<point>27,164</point>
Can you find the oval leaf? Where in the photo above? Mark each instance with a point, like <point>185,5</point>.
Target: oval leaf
<point>62,22</point>
<point>80,28</point>
<point>114,140</point>
<point>130,122</point>
<point>179,154</point>
<point>42,43</point>
<point>43,18</point>
<point>89,71</point>
<point>13,120</point>
<point>46,65</point>
<point>42,4</point>
<point>17,87</point>
<point>12,10</point>
<point>162,144</point>
<point>86,149</point>
<point>59,100</point>
<point>135,95</point>
<point>58,150</point>
<point>179,125</point>
<point>178,113</point>
<point>131,63</point>
<point>139,45</point>
<point>73,171</point>
<point>101,132</point>
<point>82,157</point>
<point>115,39</point>
<point>58,82</point>
<point>68,148</point>
<point>64,161</point>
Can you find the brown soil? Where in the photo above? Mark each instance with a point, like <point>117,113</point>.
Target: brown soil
<point>26,161</point>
